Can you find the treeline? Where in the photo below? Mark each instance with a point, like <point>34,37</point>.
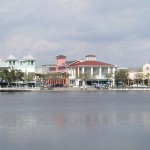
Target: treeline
<point>10,75</point>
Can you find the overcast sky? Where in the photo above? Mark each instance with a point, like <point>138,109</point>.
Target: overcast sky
<point>116,31</point>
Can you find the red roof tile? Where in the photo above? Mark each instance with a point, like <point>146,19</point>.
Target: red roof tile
<point>91,63</point>
<point>74,63</point>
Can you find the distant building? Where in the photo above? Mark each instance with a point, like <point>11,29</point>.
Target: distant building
<point>26,64</point>
<point>146,68</point>
<point>96,71</point>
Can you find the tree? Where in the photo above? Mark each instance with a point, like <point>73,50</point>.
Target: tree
<point>29,77</point>
<point>147,76</point>
<point>109,77</point>
<point>122,76</point>
<point>139,77</point>
<point>83,77</point>
<point>57,77</point>
<point>11,74</point>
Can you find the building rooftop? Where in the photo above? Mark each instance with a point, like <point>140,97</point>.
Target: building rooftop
<point>11,57</point>
<point>60,56</point>
<point>91,63</point>
<point>90,56</point>
<point>29,57</point>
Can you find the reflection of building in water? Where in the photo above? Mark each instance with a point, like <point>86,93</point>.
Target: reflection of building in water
<point>85,119</point>
<point>22,121</point>
<point>90,119</point>
<point>132,117</point>
<point>101,119</point>
<point>146,119</point>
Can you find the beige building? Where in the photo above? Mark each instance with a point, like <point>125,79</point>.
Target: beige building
<point>139,76</point>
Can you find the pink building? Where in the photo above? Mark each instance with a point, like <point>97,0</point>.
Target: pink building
<point>95,69</point>
<point>59,68</point>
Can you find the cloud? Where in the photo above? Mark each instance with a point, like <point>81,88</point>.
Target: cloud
<point>114,30</point>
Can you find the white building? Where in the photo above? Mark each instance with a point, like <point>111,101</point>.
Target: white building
<point>26,64</point>
<point>146,68</point>
<point>95,69</point>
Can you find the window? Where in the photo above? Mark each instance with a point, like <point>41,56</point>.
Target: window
<point>28,62</point>
<point>104,70</point>
<point>96,71</point>
<point>31,62</point>
<point>87,70</point>
<point>9,62</point>
<point>13,62</point>
<point>20,62</point>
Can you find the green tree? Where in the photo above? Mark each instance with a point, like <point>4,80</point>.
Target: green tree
<point>147,76</point>
<point>11,74</point>
<point>139,77</point>
<point>109,76</point>
<point>29,77</point>
<point>83,77</point>
<point>122,75</point>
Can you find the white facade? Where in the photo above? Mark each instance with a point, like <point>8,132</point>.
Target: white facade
<point>146,68</point>
<point>26,64</point>
<point>96,73</point>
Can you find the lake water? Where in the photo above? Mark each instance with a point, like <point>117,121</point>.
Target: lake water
<point>76,120</point>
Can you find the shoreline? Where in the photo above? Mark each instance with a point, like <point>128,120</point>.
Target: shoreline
<point>34,89</point>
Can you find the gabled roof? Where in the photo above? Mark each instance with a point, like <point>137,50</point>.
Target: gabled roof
<point>70,62</point>
<point>73,63</point>
<point>11,57</point>
<point>91,63</point>
<point>29,57</point>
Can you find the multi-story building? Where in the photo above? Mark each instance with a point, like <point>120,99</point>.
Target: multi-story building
<point>26,64</point>
<point>57,69</point>
<point>95,70</point>
<point>90,71</point>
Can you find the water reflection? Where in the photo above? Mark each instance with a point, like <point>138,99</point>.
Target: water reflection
<point>79,121</point>
<point>66,119</point>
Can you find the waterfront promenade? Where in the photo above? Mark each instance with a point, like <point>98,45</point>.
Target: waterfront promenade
<point>34,89</point>
<point>19,89</point>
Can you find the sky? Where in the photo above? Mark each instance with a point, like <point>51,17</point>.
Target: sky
<point>116,31</point>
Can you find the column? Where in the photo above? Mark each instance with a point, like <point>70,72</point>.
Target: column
<point>91,71</point>
<point>100,72</point>
<point>113,71</point>
<point>71,72</point>
<point>82,70</point>
<point>78,71</point>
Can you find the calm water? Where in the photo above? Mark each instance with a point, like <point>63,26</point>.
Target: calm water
<point>77,120</point>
